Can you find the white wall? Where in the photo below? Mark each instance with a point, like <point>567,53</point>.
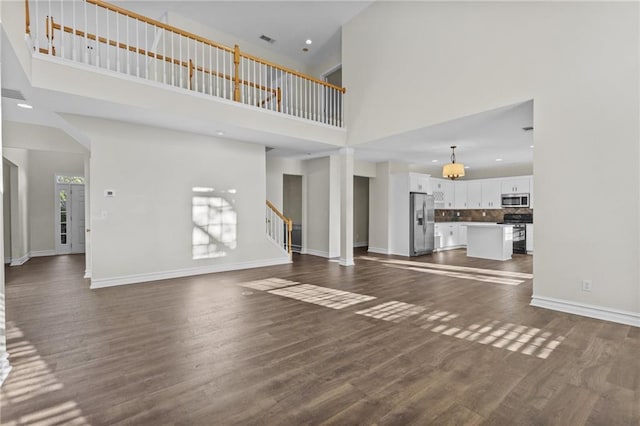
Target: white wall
<point>276,168</point>
<point>360,211</point>
<point>43,165</point>
<point>379,216</point>
<point>19,204</point>
<point>145,231</point>
<point>578,61</point>
<point>317,176</point>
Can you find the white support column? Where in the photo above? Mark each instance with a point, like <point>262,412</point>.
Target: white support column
<point>346,206</point>
<point>87,216</point>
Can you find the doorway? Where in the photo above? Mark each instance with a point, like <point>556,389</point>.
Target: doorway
<point>69,214</point>
<point>360,211</point>
<point>292,207</point>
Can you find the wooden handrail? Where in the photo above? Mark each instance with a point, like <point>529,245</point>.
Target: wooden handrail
<point>292,71</point>
<point>286,220</point>
<point>187,64</point>
<point>27,26</point>
<point>113,43</point>
<point>204,40</point>
<point>151,21</point>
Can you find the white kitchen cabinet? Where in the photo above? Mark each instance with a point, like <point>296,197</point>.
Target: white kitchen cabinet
<point>529,231</point>
<point>462,234</point>
<point>450,232</point>
<point>491,194</point>
<point>443,193</point>
<point>419,182</point>
<point>474,195</point>
<point>519,185</point>
<point>460,194</point>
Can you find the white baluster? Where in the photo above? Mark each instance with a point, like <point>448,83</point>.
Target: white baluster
<point>73,32</point>
<point>61,29</point>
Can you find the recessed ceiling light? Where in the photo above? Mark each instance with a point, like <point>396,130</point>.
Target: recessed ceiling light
<point>25,106</point>
<point>434,161</point>
<point>220,133</point>
<point>531,146</point>
<point>498,159</point>
<point>467,167</point>
<point>308,41</point>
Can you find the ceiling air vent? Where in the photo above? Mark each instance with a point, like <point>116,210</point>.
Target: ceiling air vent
<point>267,39</point>
<point>12,94</point>
<point>528,128</point>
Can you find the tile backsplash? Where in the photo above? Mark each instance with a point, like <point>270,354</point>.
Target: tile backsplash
<point>475,215</point>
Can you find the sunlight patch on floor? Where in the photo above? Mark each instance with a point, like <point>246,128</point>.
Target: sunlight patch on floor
<point>392,311</point>
<point>462,275</point>
<point>444,267</point>
<point>512,337</point>
<point>268,284</point>
<point>32,379</point>
<point>328,297</point>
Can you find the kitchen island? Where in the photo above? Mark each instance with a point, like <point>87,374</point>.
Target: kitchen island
<point>490,241</point>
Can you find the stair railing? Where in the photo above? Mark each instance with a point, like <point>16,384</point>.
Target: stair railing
<point>102,35</point>
<point>279,228</point>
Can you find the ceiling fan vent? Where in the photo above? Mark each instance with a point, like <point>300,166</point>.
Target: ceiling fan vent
<point>267,39</point>
<point>12,94</point>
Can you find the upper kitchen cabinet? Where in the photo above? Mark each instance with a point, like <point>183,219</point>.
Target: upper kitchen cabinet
<point>443,193</point>
<point>491,194</point>
<point>474,195</point>
<point>518,185</point>
<point>460,194</point>
<point>419,182</point>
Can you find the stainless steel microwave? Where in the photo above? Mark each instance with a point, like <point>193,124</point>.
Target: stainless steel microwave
<point>515,200</point>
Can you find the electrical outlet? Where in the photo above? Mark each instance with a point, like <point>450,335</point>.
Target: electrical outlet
<point>484,213</point>
<point>586,285</point>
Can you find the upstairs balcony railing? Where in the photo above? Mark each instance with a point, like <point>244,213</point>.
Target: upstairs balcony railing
<point>109,37</point>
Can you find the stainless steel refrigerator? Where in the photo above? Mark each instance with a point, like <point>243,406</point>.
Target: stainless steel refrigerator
<point>422,224</point>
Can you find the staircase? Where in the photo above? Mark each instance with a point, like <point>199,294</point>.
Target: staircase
<point>279,228</point>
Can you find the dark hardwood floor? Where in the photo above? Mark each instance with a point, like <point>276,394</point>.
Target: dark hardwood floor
<point>441,339</point>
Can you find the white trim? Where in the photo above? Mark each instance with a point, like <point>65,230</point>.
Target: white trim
<point>449,248</point>
<point>344,262</point>
<point>7,260</point>
<point>178,273</point>
<point>591,311</point>
<point>361,244</point>
<point>87,273</point>
<point>42,253</point>
<point>317,253</point>
<point>19,261</point>
<point>378,250</point>
<point>5,367</point>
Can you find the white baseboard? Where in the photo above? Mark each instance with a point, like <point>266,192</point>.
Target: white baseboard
<point>165,275</point>
<point>344,262</point>
<point>591,311</point>
<point>41,253</point>
<point>361,244</point>
<point>87,273</point>
<point>378,250</point>
<point>19,261</point>
<point>317,253</point>
<point>5,367</point>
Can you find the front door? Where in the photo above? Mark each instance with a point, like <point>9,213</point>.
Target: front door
<point>70,221</point>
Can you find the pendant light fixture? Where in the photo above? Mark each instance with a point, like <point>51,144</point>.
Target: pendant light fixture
<point>453,170</point>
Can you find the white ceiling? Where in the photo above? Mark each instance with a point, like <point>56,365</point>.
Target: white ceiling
<point>480,139</point>
<point>290,23</point>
